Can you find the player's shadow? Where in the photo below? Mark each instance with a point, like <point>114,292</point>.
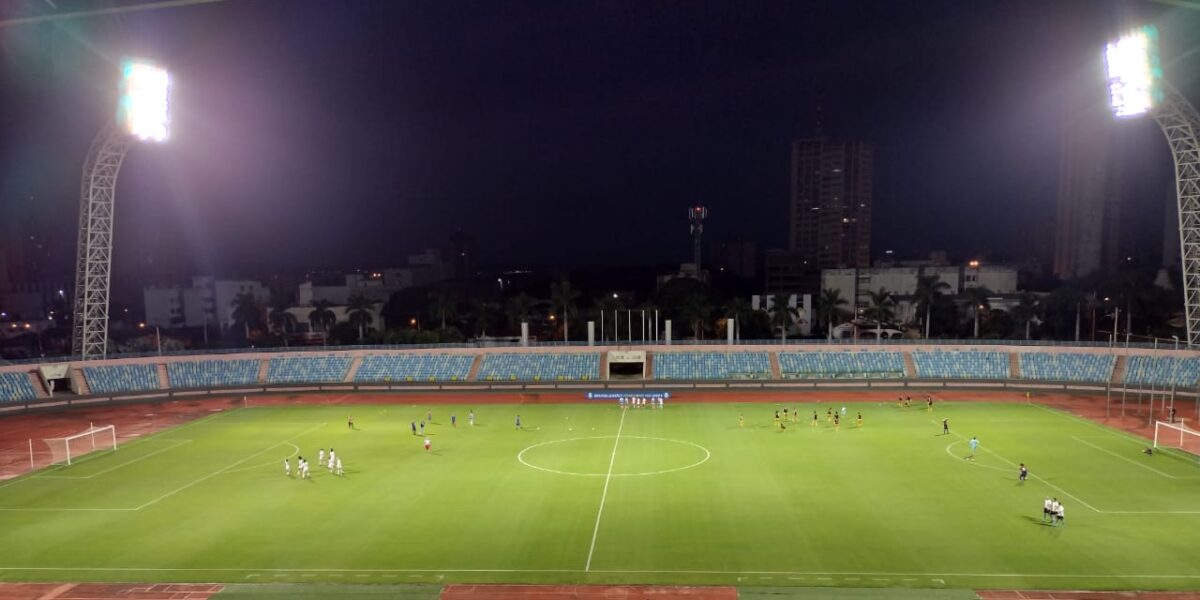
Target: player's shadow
<point>1038,521</point>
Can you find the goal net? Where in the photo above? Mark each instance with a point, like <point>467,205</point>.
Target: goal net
<point>1176,435</point>
<point>64,450</point>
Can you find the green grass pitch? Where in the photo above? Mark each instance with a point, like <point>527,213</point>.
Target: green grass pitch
<point>588,493</point>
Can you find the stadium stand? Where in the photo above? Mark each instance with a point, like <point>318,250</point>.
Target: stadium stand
<point>1161,370</point>
<point>712,365</point>
<point>539,367</point>
<point>414,367</point>
<point>961,364</point>
<point>16,387</point>
<point>308,369</point>
<point>212,373</point>
<point>834,365</point>
<point>121,378</point>
<point>1047,366</point>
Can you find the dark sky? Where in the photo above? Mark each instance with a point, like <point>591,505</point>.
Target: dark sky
<point>342,132</point>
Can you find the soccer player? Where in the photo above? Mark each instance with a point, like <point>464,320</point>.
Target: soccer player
<point>453,421</point>
<point>945,426</point>
<point>340,471</point>
<point>974,444</point>
<point>414,428</point>
<point>1024,474</point>
<point>1046,506</point>
<point>427,444</point>
<point>1054,506</point>
<point>795,414</point>
<point>776,419</point>
<point>287,468</point>
<point>320,456</point>
<point>350,422</point>
<point>837,422</point>
<point>1061,514</point>
<point>785,413</point>
<point>843,410</point>
<point>422,427</point>
<point>899,401</point>
<point>741,420</point>
<point>928,403</point>
<point>471,417</point>
<point>860,420</point>
<point>814,421</point>
<point>429,416</point>
<point>332,459</point>
<point>829,415</point>
<point>518,421</point>
<point>303,469</point>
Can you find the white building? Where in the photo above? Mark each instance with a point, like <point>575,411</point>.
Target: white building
<point>856,285</point>
<point>802,303</point>
<point>209,301</point>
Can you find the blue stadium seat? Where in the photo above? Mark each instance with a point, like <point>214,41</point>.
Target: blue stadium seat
<point>1065,366</point>
<point>212,373</point>
<point>121,378</point>
<point>848,364</point>
<point>1162,370</point>
<point>520,366</point>
<point>16,387</point>
<point>414,367</point>
<point>961,364</point>
<point>712,365</point>
<point>308,369</point>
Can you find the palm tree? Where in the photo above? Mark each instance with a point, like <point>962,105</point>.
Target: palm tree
<point>881,309</point>
<point>483,315</point>
<point>1026,310</point>
<point>358,313</point>
<point>929,290</point>
<point>695,310</point>
<point>781,314</point>
<point>322,317</point>
<point>282,320</point>
<point>246,312</point>
<point>978,297</point>
<point>563,296</point>
<point>829,307</point>
<point>445,306</point>
<point>519,310</point>
<point>738,309</point>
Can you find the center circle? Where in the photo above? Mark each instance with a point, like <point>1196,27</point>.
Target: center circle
<point>635,456</point>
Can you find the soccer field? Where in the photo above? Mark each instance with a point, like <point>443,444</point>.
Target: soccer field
<point>594,494</point>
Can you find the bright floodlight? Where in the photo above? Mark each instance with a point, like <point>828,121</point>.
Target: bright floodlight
<point>1134,72</point>
<point>142,111</point>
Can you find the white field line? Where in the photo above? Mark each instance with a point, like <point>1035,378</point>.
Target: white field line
<point>1124,458</point>
<point>825,575</point>
<point>115,467</point>
<point>952,455</point>
<point>227,467</point>
<point>1032,476</point>
<point>295,451</point>
<point>604,495</point>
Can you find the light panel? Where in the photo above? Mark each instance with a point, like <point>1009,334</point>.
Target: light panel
<point>145,94</point>
<point>1134,72</point>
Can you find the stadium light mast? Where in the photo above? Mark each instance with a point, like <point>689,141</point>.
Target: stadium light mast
<point>142,116</point>
<point>1136,87</point>
<point>696,216</point>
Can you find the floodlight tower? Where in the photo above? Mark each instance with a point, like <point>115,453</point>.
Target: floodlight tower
<point>142,115</point>
<point>696,216</point>
<point>1136,87</point>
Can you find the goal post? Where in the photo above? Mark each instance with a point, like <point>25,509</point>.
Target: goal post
<point>1176,435</point>
<point>65,450</point>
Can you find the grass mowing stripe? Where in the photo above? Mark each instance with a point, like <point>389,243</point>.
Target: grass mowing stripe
<point>612,459</point>
<point>227,467</point>
<point>117,466</point>
<point>1124,458</point>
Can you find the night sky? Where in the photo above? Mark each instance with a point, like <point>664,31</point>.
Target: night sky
<point>346,132</point>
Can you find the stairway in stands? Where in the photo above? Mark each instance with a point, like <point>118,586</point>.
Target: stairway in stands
<point>776,373</point>
<point>1118,373</point>
<point>474,367</point>
<point>354,365</point>
<point>1014,365</point>
<point>910,367</point>
<point>38,388</point>
<point>164,380</point>
<point>79,382</point>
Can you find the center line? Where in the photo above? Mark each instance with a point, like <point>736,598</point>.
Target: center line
<point>607,477</point>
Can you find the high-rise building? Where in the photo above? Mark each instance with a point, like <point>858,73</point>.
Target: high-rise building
<point>1087,223</point>
<point>831,203</point>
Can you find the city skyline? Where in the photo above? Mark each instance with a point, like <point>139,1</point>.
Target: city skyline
<point>679,109</point>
